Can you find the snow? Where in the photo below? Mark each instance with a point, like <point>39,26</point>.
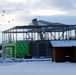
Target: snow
<point>63,43</point>
<point>38,68</point>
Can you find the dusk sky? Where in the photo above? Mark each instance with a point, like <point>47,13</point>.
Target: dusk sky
<point>21,12</point>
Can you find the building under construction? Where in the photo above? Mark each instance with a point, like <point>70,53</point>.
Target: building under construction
<point>37,40</point>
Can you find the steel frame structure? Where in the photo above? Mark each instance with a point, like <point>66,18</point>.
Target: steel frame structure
<point>30,32</point>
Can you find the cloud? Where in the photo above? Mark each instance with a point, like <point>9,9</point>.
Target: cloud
<point>17,1</point>
<point>19,6</point>
<point>24,10</point>
<point>64,4</point>
<point>46,12</point>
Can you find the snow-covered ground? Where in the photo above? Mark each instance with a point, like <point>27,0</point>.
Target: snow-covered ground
<point>37,68</point>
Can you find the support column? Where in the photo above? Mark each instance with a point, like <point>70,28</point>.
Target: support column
<point>16,35</point>
<point>13,35</point>
<point>75,33</point>
<point>23,33</point>
<point>2,39</point>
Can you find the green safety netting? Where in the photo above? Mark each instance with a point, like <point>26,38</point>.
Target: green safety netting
<point>21,49</point>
